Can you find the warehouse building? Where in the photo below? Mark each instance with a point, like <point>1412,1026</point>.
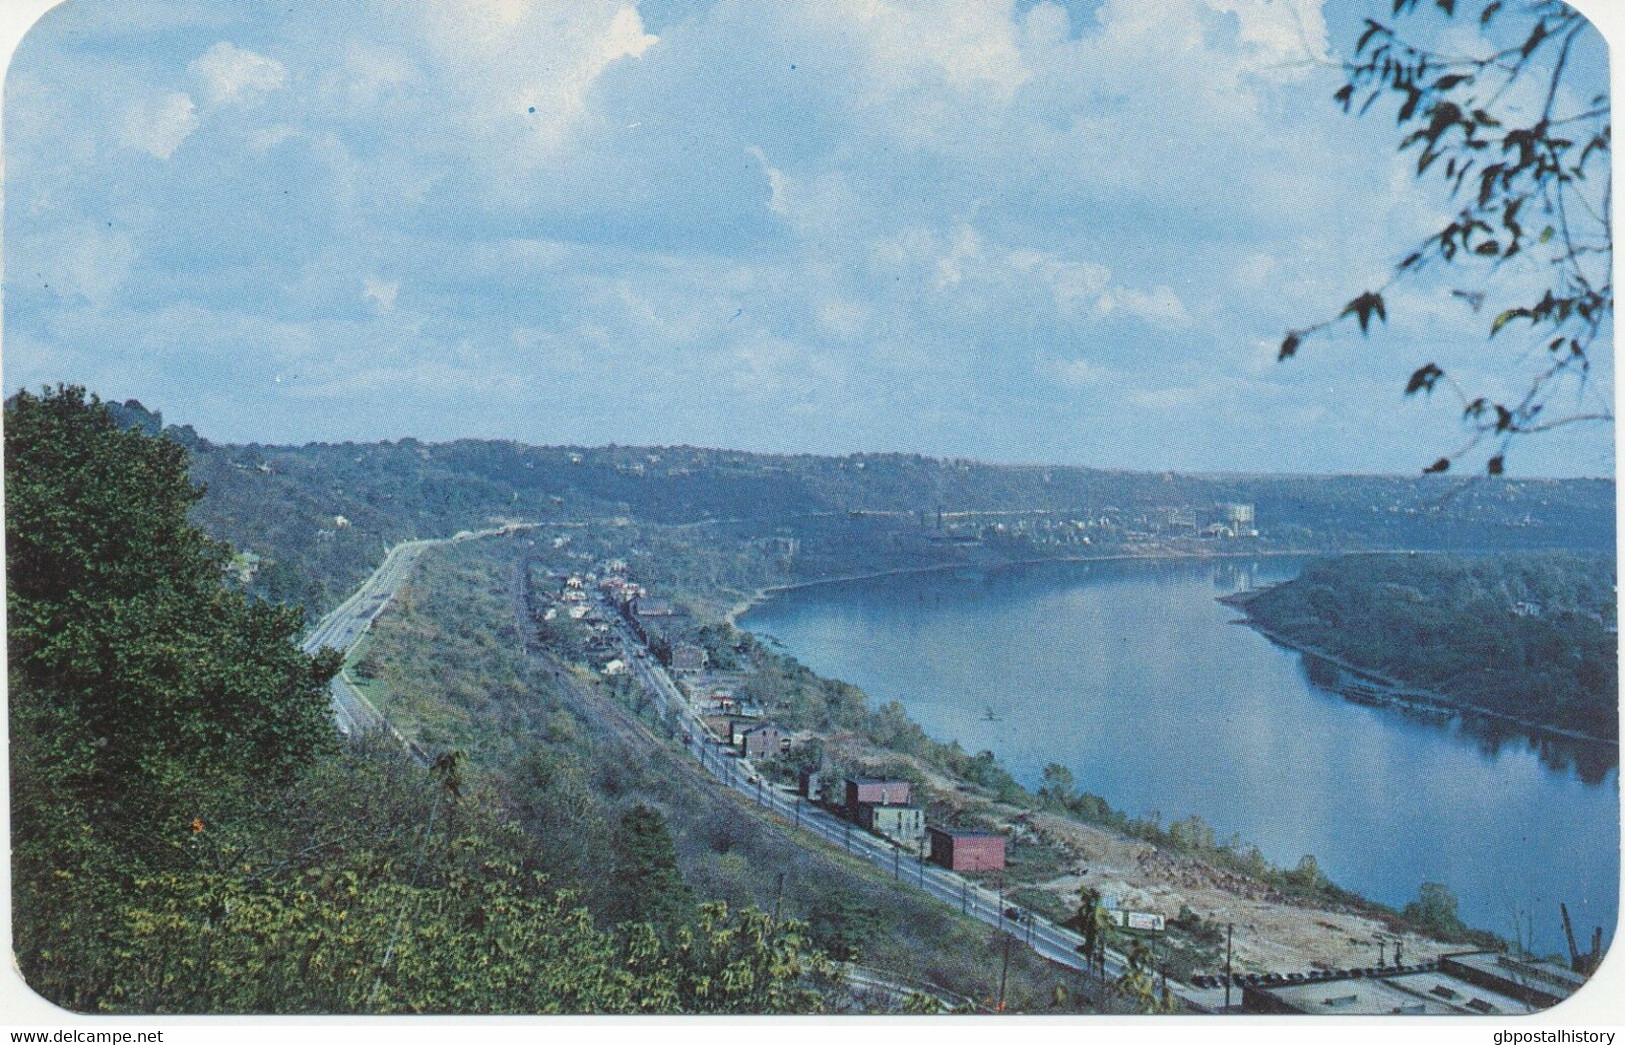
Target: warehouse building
<point>1481,983</point>
<point>966,850</point>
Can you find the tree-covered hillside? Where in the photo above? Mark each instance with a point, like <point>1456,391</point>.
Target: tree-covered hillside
<point>190,836</point>
<point>318,516</point>
<point>1528,635</point>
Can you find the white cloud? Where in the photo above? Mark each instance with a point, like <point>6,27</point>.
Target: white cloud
<point>1160,307</point>
<point>157,126</point>
<point>228,73</point>
<point>1278,36</point>
<point>521,70</point>
<point>1074,373</point>
<point>778,183</point>
<point>381,292</point>
<point>81,260</point>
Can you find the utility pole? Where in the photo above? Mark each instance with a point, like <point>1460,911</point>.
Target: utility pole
<point>1004,970</point>
<point>1229,952</point>
<point>896,859</point>
<point>1382,954</point>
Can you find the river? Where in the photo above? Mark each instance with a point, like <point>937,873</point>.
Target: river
<point>1136,679</point>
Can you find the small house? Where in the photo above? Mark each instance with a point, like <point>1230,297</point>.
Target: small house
<point>763,741</point>
<point>688,657</point>
<point>899,823</point>
<point>872,791</point>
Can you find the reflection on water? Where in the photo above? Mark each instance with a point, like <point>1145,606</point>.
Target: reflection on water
<point>1591,762</point>
<point>1132,676</point>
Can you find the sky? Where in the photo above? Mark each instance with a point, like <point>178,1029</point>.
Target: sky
<point>1000,229</point>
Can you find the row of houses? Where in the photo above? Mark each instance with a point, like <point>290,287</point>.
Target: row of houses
<point>883,807</point>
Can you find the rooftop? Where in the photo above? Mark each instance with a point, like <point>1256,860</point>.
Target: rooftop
<point>1424,992</point>
<point>1540,975</point>
<point>953,832</point>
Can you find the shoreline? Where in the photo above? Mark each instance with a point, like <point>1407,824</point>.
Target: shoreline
<point>1415,694</point>
<point>1399,690</point>
<point>763,594</point>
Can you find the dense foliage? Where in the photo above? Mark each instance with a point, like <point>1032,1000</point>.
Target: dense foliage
<point>1527,635</point>
<point>190,836</point>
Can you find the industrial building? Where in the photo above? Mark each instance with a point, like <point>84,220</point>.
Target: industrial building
<point>966,850</point>
<point>1480,983</point>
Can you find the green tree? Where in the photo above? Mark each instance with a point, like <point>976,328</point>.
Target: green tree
<point>1058,787</point>
<point>1521,142</point>
<point>1435,912</point>
<point>645,884</point>
<point>144,691</point>
<point>844,924</point>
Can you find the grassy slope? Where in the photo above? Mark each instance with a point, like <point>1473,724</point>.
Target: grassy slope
<point>449,665</point>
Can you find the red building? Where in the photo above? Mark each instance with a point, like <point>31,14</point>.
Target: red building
<point>966,850</point>
<point>868,790</point>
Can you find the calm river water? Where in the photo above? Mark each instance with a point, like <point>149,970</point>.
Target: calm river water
<point>1131,675</point>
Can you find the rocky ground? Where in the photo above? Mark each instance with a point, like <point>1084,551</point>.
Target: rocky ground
<point>1273,932</point>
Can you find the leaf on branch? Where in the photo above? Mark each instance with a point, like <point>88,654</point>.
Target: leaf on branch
<point>1489,12</point>
<point>1496,465</point>
<point>1371,29</point>
<point>1364,307</point>
<point>1475,409</point>
<point>1424,379</point>
<point>1447,6</point>
<point>1506,317</point>
<point>1344,96</point>
<point>1535,39</point>
<point>1441,465</point>
<point>1503,418</point>
<point>1444,83</point>
<point>1289,347</point>
<point>1413,98</point>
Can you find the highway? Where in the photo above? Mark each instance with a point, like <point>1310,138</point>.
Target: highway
<point>1030,928</point>
<point>353,713</point>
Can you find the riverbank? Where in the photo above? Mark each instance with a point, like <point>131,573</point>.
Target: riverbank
<point>1401,692</point>
<point>1060,845</point>
<point>762,594</point>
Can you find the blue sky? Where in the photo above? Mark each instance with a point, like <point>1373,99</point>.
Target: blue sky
<point>1063,232</point>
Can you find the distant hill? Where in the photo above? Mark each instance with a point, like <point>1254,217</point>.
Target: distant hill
<point>319,515</point>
